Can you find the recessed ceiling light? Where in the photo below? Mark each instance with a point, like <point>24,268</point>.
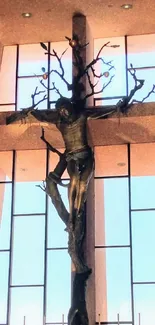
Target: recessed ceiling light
<point>26,14</point>
<point>126,6</point>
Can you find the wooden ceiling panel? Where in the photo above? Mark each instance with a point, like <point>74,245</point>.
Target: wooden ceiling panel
<point>52,20</point>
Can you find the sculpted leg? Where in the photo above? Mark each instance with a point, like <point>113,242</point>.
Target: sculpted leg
<point>73,191</point>
<point>53,179</point>
<point>85,176</point>
<point>72,196</point>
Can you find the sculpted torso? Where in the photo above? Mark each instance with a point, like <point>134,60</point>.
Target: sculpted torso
<point>74,134</point>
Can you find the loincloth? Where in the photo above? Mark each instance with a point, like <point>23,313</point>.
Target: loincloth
<point>80,154</point>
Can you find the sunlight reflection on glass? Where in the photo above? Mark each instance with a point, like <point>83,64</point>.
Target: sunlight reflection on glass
<point>117,58</point>
<point>143,227</point>
<point>28,250</point>
<point>144,298</point>
<point>113,289</point>
<point>141,50</point>
<point>58,285</point>
<point>26,302</point>
<point>31,59</point>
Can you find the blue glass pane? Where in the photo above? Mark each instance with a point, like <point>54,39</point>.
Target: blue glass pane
<point>148,76</point>
<point>57,236</point>
<point>5,215</point>
<point>66,60</point>
<point>113,288</point>
<point>26,88</point>
<point>59,83</point>
<point>4,268</point>
<point>29,198</point>
<point>113,229</point>
<point>143,241</point>
<point>142,192</point>
<point>144,298</point>
<point>141,50</point>
<point>116,57</point>
<point>28,250</point>
<point>32,59</point>
<point>26,302</point>
<point>58,285</point>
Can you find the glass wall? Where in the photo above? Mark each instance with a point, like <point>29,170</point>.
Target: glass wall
<point>33,243</point>
<point>29,65</point>
<point>124,234</point>
<point>35,273</point>
<point>122,52</point>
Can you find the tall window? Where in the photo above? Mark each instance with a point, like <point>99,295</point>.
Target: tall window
<point>136,50</point>
<point>35,279</point>
<point>124,244</point>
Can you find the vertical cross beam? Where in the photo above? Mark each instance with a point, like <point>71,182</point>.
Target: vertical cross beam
<point>81,29</point>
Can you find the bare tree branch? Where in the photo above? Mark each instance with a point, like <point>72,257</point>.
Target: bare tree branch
<point>102,74</point>
<point>62,73</point>
<point>104,45</point>
<point>53,88</point>
<point>69,86</point>
<point>99,91</point>
<point>122,104</point>
<point>35,94</point>
<point>152,91</point>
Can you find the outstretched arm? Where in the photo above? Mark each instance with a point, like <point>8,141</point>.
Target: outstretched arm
<point>101,112</point>
<point>50,116</point>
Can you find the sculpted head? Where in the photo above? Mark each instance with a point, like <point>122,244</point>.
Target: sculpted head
<point>65,107</point>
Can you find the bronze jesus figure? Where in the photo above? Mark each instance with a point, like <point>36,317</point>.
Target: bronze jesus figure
<point>71,122</point>
<point>78,158</point>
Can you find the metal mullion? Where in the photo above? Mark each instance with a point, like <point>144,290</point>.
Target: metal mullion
<point>26,285</point>
<point>5,182</point>
<point>142,68</point>
<point>109,97</point>
<point>7,104</point>
<point>139,210</point>
<point>126,65</point>
<point>130,232</point>
<point>56,248</point>
<point>113,246</point>
<point>52,101</point>
<point>45,243</point>
<point>116,322</point>
<point>143,283</point>
<point>16,86</point>
<point>30,76</point>
<point>4,250</point>
<point>109,177</point>
<point>54,323</point>
<point>11,238</point>
<point>28,214</point>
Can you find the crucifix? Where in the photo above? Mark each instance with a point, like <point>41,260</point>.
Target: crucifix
<point>70,117</point>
